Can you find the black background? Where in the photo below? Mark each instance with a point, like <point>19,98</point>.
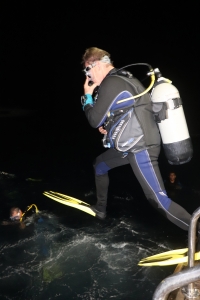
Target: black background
<point>43,127</point>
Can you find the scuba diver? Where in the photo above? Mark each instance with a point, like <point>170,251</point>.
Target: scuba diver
<point>15,217</point>
<point>19,217</point>
<point>32,222</point>
<point>131,134</point>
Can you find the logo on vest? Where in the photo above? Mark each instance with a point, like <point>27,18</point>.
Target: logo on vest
<point>117,129</point>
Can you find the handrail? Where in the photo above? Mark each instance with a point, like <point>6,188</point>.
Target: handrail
<point>176,281</point>
<point>185,277</point>
<point>192,240</point>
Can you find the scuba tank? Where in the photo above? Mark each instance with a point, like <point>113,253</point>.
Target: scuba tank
<point>169,115</point>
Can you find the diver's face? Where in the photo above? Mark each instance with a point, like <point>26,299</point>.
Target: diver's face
<point>95,72</point>
<point>16,215</point>
<point>88,68</point>
<point>172,176</point>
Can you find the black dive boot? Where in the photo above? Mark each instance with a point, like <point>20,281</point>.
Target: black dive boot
<point>99,208</point>
<point>99,214</point>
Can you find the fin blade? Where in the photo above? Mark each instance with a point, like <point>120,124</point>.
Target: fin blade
<point>70,201</point>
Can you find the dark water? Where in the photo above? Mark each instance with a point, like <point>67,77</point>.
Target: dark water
<point>68,254</point>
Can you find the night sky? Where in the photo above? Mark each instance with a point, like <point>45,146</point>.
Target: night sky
<point>42,44</point>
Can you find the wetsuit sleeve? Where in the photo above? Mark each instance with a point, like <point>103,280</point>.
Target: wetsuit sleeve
<point>179,186</point>
<point>112,88</point>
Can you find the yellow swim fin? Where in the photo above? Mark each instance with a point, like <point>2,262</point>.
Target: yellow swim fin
<point>171,257</point>
<point>70,201</point>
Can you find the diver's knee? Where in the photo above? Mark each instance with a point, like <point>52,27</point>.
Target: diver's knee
<point>101,169</point>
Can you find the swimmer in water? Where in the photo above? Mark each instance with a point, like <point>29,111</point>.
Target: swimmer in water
<point>15,214</point>
<point>18,217</point>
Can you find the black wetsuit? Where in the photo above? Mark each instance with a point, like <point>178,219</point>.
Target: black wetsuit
<point>142,156</point>
<point>172,186</point>
<point>173,189</point>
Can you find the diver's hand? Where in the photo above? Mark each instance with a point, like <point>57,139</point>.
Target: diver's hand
<point>89,89</point>
<point>102,130</point>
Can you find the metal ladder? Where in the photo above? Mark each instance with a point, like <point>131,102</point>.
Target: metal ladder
<point>184,279</point>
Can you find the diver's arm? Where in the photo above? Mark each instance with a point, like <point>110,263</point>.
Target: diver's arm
<point>21,225</point>
<point>6,223</point>
<point>109,89</point>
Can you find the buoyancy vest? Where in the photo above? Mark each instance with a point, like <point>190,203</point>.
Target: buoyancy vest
<point>131,127</point>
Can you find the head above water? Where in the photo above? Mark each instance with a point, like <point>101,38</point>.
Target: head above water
<point>97,64</point>
<point>15,213</point>
<point>172,176</point>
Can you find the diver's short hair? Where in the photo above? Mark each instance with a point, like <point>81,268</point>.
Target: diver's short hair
<point>93,54</point>
<point>14,209</point>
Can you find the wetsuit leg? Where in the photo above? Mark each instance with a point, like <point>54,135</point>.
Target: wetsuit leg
<point>106,161</point>
<point>145,168</point>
